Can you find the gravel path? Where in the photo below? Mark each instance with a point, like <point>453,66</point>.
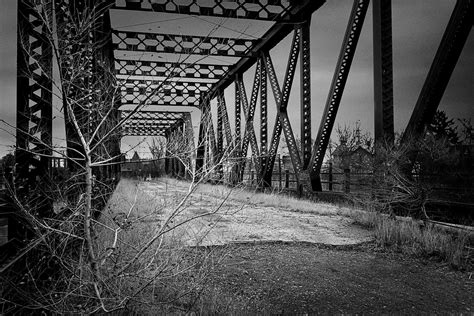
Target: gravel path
<point>236,222</point>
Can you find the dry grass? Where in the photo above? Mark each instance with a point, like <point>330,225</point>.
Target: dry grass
<point>404,235</point>
<point>274,199</point>
<point>424,240</point>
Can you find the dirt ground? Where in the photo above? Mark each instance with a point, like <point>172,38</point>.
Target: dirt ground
<point>280,261</point>
<point>304,278</point>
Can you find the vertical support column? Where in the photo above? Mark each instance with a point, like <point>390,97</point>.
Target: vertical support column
<point>201,149</point>
<point>383,72</point>
<point>206,140</point>
<point>263,120</point>
<point>220,139</point>
<point>219,129</point>
<point>238,142</point>
<point>189,136</point>
<point>305,72</point>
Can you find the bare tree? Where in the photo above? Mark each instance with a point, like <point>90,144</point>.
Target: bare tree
<point>66,265</point>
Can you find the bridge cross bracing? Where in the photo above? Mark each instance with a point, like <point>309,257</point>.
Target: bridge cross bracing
<point>160,71</point>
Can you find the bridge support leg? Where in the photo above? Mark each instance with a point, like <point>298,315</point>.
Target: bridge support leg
<point>236,170</point>
<point>383,73</point>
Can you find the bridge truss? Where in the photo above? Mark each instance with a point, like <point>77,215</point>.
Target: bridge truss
<point>165,84</point>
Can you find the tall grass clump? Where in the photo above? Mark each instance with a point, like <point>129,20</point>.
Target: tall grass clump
<point>425,240</point>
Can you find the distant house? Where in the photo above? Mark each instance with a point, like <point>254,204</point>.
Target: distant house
<point>136,166</point>
<point>132,166</point>
<point>357,160</point>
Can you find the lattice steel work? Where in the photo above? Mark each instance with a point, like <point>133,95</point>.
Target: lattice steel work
<point>270,10</point>
<point>282,122</point>
<point>150,123</point>
<point>33,100</point>
<point>156,78</point>
<point>162,93</point>
<point>170,70</point>
<point>182,44</point>
<point>34,92</point>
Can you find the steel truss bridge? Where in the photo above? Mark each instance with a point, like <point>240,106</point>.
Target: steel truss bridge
<point>163,85</point>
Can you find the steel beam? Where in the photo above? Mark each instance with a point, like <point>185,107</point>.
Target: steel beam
<point>220,130</point>
<point>339,80</point>
<point>150,123</point>
<point>299,11</point>
<point>263,114</point>
<point>169,69</point>
<point>441,69</point>
<point>183,93</point>
<point>383,72</point>
<point>237,142</point>
<point>182,44</point>
<point>270,11</point>
<point>225,118</point>
<point>305,94</point>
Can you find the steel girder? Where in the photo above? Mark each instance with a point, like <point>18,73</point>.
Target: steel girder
<point>257,10</point>
<point>225,74</point>
<point>182,44</point>
<point>263,115</point>
<point>282,122</point>
<point>184,93</point>
<point>305,94</point>
<point>383,72</point>
<point>297,12</point>
<point>441,69</point>
<point>236,173</point>
<point>33,101</point>
<point>223,127</point>
<point>339,80</point>
<point>170,70</point>
<point>225,118</point>
<point>150,123</point>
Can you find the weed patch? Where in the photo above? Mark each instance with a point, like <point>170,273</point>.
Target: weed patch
<point>412,238</point>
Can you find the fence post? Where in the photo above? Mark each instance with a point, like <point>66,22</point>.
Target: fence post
<point>180,170</point>
<point>347,180</point>
<point>279,172</point>
<point>287,179</point>
<point>330,179</point>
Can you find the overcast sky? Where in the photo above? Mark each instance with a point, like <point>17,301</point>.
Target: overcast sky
<point>418,26</point>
